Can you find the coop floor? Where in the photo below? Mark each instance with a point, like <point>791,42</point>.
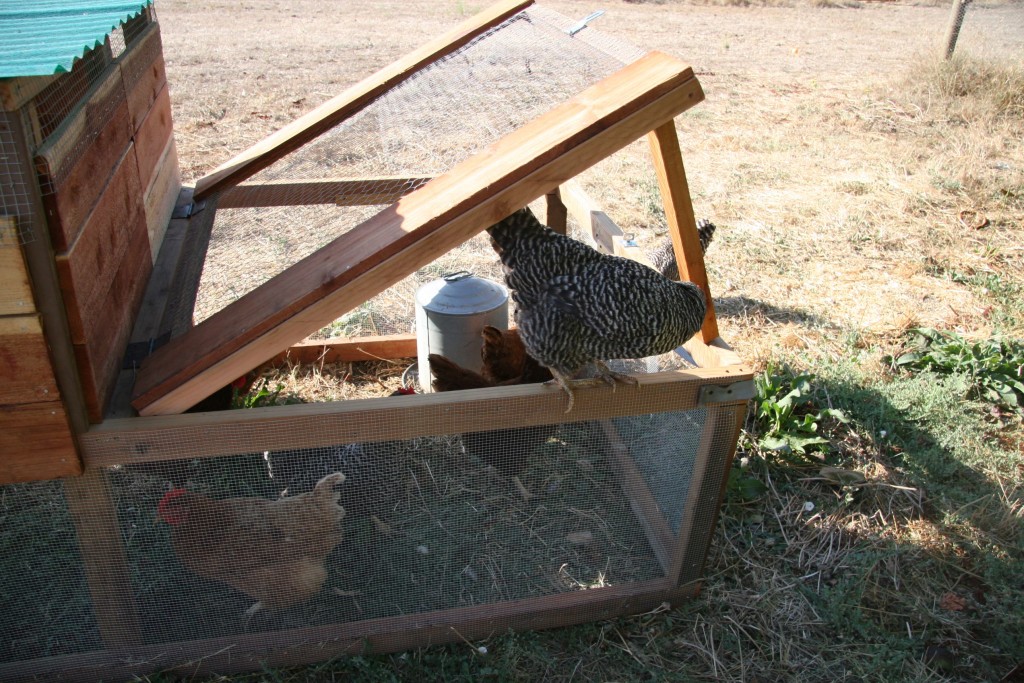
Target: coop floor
<point>430,526</point>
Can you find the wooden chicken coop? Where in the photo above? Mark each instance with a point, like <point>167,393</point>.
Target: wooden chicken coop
<point>108,340</point>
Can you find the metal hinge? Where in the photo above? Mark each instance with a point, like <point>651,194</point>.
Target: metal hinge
<point>137,351</point>
<point>728,393</point>
<point>188,210</point>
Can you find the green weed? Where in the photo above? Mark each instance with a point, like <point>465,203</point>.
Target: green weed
<point>993,367</point>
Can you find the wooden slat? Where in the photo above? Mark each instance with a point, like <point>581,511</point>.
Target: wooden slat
<point>555,215</point>
<point>682,226</point>
<point>89,266</point>
<point>717,354</point>
<point>424,225</point>
<point>229,432</point>
<point>26,375</point>
<point>15,287</point>
<point>144,74</point>
<point>338,191</point>
<point>256,651</point>
<point>161,195</point>
<point>36,443</point>
<point>333,111</point>
<point>38,253</point>
<point>714,461</point>
<point>152,137</point>
<point>608,236</point>
<point>104,560</point>
<point>386,347</point>
<point>106,130</point>
<point>99,357</point>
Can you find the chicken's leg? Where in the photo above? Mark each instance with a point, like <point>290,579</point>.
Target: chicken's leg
<point>563,381</point>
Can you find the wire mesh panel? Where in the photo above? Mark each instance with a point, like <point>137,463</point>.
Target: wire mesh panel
<point>419,129</point>
<point>282,540</point>
<point>44,596</point>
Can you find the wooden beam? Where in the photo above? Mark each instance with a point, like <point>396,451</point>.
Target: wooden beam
<point>418,229</point>
<point>91,504</point>
<point>311,425</point>
<point>386,347</point>
<point>256,651</point>
<point>641,501</point>
<point>338,191</point>
<point>332,112</point>
<point>682,226</point>
<point>556,214</point>
<point>14,281</point>
<point>606,233</point>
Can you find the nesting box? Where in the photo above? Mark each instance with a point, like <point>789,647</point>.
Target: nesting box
<point>90,177</point>
<point>466,513</point>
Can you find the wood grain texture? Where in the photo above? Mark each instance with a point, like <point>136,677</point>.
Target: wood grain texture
<point>161,195</point>
<point>337,191</point>
<point>88,268</point>
<point>229,432</point>
<point>153,135</point>
<point>36,443</point>
<point>144,74</point>
<point>26,374</point>
<point>15,287</point>
<point>682,226</point>
<point>410,234</point>
<point>245,652</point>
<point>100,123</point>
<point>329,114</point>
<point>100,356</point>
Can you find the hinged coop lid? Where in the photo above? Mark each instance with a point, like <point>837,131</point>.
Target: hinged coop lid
<point>442,144</point>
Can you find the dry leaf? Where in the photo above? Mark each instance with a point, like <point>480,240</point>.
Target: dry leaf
<point>952,602</point>
<point>842,477</point>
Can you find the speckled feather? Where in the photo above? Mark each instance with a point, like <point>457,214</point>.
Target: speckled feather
<point>576,305</point>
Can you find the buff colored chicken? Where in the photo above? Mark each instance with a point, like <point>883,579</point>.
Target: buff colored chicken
<point>272,550</point>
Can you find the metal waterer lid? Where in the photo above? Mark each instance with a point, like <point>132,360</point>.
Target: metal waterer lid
<point>461,293</point>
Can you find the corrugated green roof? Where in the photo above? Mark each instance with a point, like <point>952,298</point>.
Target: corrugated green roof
<point>44,37</point>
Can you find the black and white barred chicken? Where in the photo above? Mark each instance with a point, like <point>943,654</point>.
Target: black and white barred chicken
<point>575,305</point>
<point>664,257</point>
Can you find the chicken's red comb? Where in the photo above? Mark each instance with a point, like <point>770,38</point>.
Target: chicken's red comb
<point>404,391</point>
<point>168,498</point>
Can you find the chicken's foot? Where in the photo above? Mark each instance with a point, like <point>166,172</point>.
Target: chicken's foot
<point>611,377</point>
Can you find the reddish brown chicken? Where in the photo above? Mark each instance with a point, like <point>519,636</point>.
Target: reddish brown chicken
<point>272,550</point>
<point>505,359</point>
<point>505,363</point>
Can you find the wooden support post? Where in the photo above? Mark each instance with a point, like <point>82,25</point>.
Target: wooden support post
<point>644,506</point>
<point>956,19</point>
<point>682,226</point>
<point>557,214</point>
<point>103,555</point>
